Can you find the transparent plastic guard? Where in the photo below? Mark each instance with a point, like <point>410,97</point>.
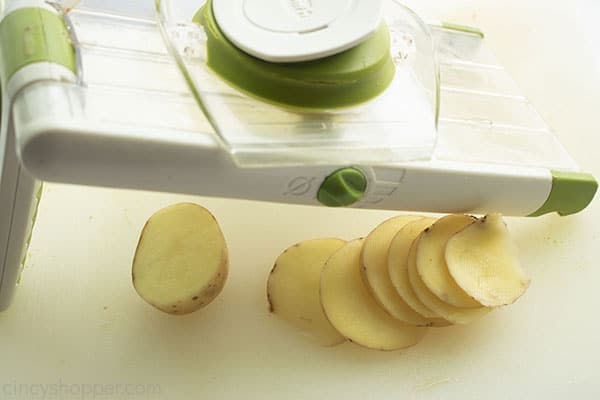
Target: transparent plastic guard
<point>132,89</point>
<point>484,116</point>
<point>398,125</point>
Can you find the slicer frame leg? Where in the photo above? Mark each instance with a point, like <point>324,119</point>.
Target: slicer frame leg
<point>19,198</point>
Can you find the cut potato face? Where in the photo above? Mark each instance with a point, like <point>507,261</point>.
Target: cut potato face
<point>374,267</point>
<point>483,261</point>
<point>398,254</point>
<point>181,260</point>
<point>352,310</point>
<point>431,263</point>
<point>293,288</point>
<point>446,311</point>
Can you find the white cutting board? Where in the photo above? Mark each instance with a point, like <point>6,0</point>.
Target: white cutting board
<point>77,329</point>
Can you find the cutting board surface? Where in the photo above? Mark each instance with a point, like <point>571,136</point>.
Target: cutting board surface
<point>76,320</point>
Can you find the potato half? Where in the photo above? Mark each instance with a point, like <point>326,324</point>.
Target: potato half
<point>483,260</point>
<point>293,288</point>
<point>181,260</point>
<point>431,263</point>
<point>352,310</point>
<point>450,313</point>
<point>398,254</point>
<point>374,267</point>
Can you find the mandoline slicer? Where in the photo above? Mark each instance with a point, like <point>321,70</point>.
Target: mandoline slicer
<point>354,103</point>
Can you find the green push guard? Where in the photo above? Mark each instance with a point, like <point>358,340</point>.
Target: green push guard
<point>31,35</point>
<point>571,192</point>
<point>346,79</point>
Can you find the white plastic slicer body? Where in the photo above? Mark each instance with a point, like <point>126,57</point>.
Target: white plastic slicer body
<point>134,123</point>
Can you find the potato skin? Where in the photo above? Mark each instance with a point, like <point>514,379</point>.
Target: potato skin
<point>185,304</point>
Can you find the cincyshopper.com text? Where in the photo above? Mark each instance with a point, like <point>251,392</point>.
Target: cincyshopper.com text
<point>67,391</point>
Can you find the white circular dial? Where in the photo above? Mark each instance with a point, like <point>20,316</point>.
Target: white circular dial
<point>294,16</point>
<point>296,30</point>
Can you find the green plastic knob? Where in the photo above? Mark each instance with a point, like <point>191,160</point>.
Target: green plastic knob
<point>342,188</point>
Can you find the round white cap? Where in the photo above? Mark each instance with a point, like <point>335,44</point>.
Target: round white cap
<point>296,30</point>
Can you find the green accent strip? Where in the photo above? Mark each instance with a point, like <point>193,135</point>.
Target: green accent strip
<point>343,187</point>
<point>31,35</point>
<point>342,80</point>
<point>463,28</point>
<point>571,192</point>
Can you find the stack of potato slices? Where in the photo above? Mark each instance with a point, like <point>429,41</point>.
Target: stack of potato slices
<point>410,273</point>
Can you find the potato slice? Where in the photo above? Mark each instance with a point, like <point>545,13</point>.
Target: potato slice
<point>374,267</point>
<point>293,288</point>
<point>431,264</point>
<point>483,260</point>
<point>398,253</point>
<point>181,260</point>
<point>352,310</point>
<point>450,313</point>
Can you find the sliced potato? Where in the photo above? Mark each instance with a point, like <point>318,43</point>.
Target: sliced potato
<point>352,310</point>
<point>431,264</point>
<point>374,267</point>
<point>181,260</point>
<point>293,288</point>
<point>483,260</point>
<point>450,313</point>
<point>398,253</point>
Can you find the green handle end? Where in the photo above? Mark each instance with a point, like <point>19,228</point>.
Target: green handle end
<point>571,192</point>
